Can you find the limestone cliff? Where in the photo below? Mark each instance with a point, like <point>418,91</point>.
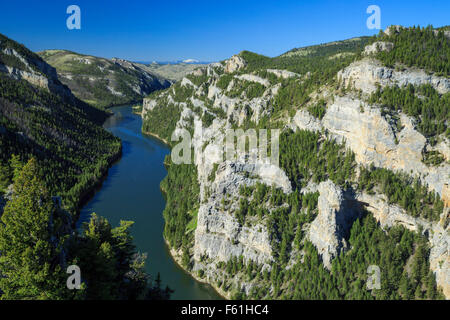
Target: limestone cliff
<point>232,94</point>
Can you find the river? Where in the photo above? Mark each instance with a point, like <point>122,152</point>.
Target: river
<point>131,192</point>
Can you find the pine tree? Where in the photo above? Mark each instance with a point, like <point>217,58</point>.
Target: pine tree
<point>31,241</point>
<point>5,177</point>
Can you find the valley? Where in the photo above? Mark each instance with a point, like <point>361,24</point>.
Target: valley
<point>362,181</point>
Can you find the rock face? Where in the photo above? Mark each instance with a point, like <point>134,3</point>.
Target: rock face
<point>253,78</point>
<point>283,73</point>
<point>348,119</point>
<point>373,140</point>
<point>220,236</point>
<point>437,233</point>
<point>333,222</point>
<point>235,63</point>
<point>370,136</point>
<point>393,29</point>
<point>365,74</point>
<point>33,70</point>
<point>446,195</point>
<point>378,46</point>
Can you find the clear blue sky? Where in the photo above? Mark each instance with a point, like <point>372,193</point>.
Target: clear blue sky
<point>206,30</point>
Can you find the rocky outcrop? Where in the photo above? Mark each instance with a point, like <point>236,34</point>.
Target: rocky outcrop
<point>219,235</point>
<point>234,64</point>
<point>333,222</point>
<point>438,234</point>
<point>367,73</point>
<point>36,72</point>
<point>446,195</point>
<point>378,46</point>
<point>305,121</point>
<point>148,105</point>
<point>373,140</point>
<point>393,29</point>
<point>371,135</point>
<point>253,78</point>
<point>283,73</point>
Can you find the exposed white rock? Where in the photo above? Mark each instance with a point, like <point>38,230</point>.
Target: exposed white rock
<point>220,236</point>
<point>443,147</point>
<point>446,194</point>
<point>393,29</point>
<point>83,60</point>
<point>186,82</point>
<point>253,78</point>
<point>213,92</point>
<point>365,74</point>
<point>235,63</point>
<point>46,77</point>
<point>446,33</point>
<point>305,121</point>
<point>332,223</point>
<point>372,139</point>
<point>113,91</point>
<point>378,46</point>
<point>283,73</point>
<point>439,237</point>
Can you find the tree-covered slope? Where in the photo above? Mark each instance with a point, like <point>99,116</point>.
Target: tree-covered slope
<point>38,243</point>
<point>363,150</point>
<point>53,151</point>
<point>425,48</point>
<point>48,123</point>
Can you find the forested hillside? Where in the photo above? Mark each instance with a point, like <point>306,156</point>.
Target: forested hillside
<point>39,244</point>
<point>61,132</point>
<point>53,152</point>
<point>420,47</point>
<point>364,162</point>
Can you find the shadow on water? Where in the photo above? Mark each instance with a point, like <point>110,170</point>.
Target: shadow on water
<point>131,191</point>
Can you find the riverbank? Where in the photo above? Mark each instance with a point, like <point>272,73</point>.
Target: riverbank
<point>131,191</point>
<point>157,137</point>
<point>177,256</point>
<point>96,186</point>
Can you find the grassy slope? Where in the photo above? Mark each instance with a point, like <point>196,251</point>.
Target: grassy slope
<point>102,82</point>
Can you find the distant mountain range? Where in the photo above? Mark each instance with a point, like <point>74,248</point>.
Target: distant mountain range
<point>186,61</point>
<point>174,70</point>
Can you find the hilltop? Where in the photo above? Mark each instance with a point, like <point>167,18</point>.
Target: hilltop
<point>41,118</point>
<point>103,82</point>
